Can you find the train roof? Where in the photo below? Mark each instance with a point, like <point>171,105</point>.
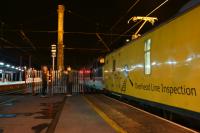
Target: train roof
<point>185,9</point>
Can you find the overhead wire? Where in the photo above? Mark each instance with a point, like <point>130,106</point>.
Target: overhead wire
<point>85,49</point>
<point>103,42</point>
<point>116,23</point>
<point>86,19</point>
<point>148,15</point>
<point>81,17</point>
<point>105,34</point>
<point>8,42</point>
<point>26,39</point>
<point>94,33</point>
<point>68,32</point>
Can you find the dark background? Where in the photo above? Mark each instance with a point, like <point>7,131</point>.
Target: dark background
<point>28,27</point>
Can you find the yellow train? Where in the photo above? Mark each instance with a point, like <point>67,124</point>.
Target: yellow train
<point>161,68</point>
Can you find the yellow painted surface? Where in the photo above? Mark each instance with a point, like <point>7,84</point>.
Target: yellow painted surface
<point>60,55</point>
<point>112,123</point>
<point>175,62</point>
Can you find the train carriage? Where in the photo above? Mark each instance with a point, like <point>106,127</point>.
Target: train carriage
<point>161,68</point>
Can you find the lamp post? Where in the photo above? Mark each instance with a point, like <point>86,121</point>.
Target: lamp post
<point>60,56</point>
<point>53,55</point>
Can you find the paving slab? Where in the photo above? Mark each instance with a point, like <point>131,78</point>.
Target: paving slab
<point>78,116</point>
<point>32,114</point>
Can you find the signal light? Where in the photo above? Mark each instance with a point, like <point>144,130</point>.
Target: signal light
<point>87,71</point>
<point>84,71</point>
<point>102,60</point>
<point>81,71</point>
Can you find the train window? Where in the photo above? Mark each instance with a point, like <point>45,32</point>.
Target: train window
<point>147,56</point>
<point>114,65</point>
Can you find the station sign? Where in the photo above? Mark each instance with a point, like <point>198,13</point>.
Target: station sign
<point>53,50</point>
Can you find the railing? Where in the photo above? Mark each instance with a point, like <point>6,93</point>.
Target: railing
<point>57,82</point>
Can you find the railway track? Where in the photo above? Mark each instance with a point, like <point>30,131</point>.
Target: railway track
<point>7,97</point>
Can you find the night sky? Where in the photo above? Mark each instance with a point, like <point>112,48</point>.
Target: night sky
<point>37,19</point>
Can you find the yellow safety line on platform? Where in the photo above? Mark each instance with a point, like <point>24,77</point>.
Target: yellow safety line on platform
<point>112,123</point>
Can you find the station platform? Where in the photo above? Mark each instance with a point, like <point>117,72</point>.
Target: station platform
<point>79,117</point>
<point>78,114</point>
<point>27,113</point>
<point>101,114</point>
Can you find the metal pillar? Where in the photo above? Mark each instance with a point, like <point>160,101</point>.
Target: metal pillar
<point>20,65</point>
<point>53,63</point>
<point>20,76</point>
<point>60,56</point>
<point>3,76</point>
<point>15,76</point>
<point>11,76</point>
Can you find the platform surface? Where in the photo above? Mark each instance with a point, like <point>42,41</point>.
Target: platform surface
<point>78,114</point>
<point>78,117</point>
<point>27,114</point>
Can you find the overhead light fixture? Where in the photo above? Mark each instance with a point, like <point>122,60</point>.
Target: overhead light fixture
<point>102,60</point>
<point>1,63</point>
<point>127,40</point>
<point>7,65</point>
<point>69,68</point>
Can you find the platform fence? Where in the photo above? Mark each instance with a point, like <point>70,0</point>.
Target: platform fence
<point>57,82</point>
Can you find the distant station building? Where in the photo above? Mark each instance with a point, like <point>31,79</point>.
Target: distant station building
<point>10,73</point>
